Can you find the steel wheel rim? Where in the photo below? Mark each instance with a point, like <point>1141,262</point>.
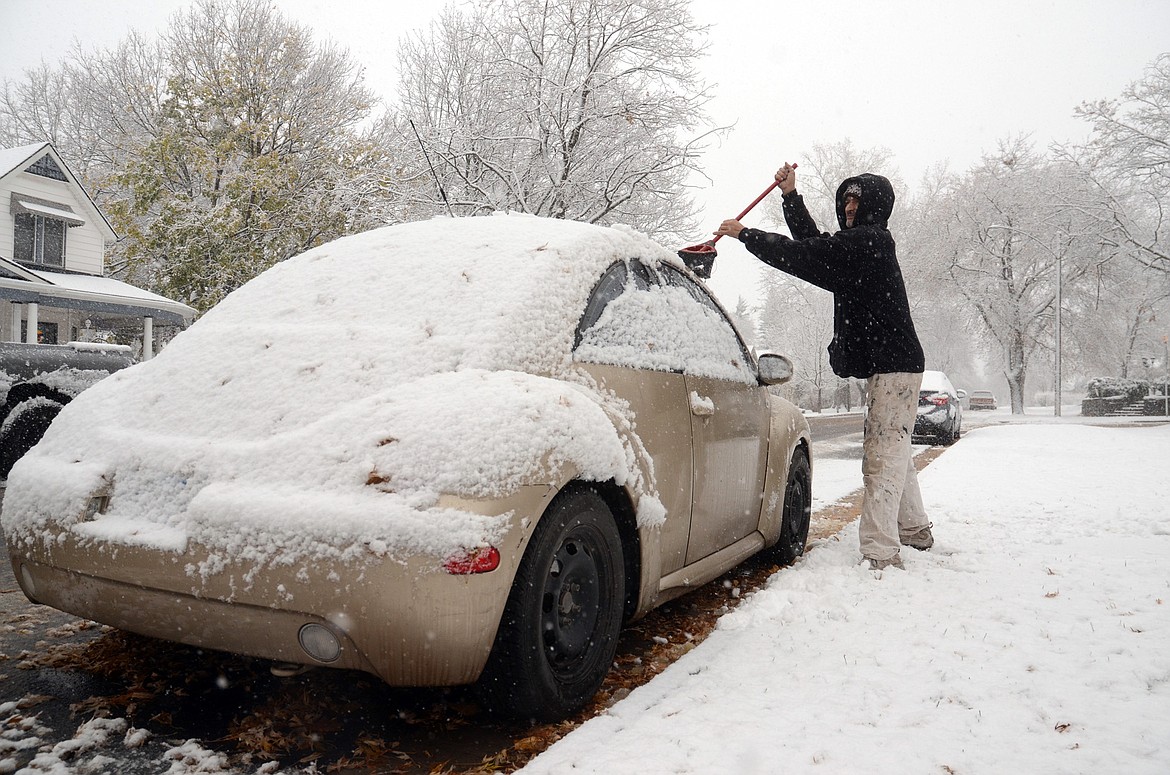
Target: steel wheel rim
<point>794,503</point>
<point>571,601</point>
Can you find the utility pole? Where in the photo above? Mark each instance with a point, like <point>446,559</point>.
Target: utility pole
<point>1059,304</point>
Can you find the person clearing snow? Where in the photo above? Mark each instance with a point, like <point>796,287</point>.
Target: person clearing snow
<point>873,339</point>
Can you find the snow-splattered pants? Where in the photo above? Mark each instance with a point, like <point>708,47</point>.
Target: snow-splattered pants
<point>893,502</point>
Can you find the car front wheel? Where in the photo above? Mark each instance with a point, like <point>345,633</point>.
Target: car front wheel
<point>559,631</point>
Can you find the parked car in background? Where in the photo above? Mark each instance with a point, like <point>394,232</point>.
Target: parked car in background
<point>940,413</point>
<point>445,452</point>
<point>982,399</point>
<point>36,380</point>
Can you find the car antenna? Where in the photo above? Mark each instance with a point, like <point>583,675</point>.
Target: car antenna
<point>434,174</point>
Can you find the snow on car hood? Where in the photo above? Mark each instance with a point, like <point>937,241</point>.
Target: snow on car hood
<point>329,402</point>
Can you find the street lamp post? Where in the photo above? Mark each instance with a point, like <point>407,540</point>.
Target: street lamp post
<point>1059,305</point>
<point>1166,375</point>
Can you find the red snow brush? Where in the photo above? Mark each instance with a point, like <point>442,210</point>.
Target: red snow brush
<point>701,258</point>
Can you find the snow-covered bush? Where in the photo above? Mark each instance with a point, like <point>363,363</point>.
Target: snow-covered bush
<point>1107,387</point>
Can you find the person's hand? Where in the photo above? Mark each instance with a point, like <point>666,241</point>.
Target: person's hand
<point>786,178</point>
<point>729,228</point>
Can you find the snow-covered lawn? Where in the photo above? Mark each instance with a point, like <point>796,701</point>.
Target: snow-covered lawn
<point>1034,638</point>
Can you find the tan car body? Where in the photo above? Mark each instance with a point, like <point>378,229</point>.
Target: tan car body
<point>438,628</point>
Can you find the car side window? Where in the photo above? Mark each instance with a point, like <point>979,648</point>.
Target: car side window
<point>660,323</point>
<point>608,288</point>
<point>677,278</point>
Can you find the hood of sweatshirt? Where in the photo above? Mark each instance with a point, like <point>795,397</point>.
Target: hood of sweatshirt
<point>877,200</point>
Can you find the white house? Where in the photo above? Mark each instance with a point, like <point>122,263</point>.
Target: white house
<point>53,242</point>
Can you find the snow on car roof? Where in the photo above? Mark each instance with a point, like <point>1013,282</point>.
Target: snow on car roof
<point>402,349</point>
<point>934,380</point>
<point>500,292</point>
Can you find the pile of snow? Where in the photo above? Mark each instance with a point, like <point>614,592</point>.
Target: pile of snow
<point>102,745</point>
<point>1035,637</point>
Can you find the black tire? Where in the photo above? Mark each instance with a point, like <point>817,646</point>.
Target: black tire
<point>797,511</point>
<point>951,437</point>
<point>559,631</point>
<point>23,428</point>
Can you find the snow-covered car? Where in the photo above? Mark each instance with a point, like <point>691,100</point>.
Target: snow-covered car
<point>982,399</point>
<point>940,411</point>
<point>445,452</point>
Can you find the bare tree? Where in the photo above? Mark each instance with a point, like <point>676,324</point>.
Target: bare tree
<point>1008,242</point>
<point>36,109</point>
<point>229,144</point>
<point>1118,319</point>
<point>949,333</point>
<point>583,109</point>
<point>1127,157</point>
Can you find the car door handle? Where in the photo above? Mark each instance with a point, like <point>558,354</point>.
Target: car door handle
<point>701,406</point>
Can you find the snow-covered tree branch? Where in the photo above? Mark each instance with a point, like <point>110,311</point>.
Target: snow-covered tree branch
<point>585,109</point>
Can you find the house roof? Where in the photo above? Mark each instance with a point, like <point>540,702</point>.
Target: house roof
<point>96,295</point>
<point>17,159</point>
<point>12,159</point>
<point>86,292</point>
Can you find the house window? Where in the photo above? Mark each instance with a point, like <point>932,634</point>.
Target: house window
<point>39,239</point>
<point>46,167</point>
<point>46,332</point>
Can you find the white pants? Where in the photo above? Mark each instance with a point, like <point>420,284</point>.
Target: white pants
<point>893,502</point>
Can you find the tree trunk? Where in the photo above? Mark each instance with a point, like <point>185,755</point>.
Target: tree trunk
<point>1016,374</point>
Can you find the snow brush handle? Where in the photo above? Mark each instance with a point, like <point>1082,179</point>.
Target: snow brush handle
<point>750,207</point>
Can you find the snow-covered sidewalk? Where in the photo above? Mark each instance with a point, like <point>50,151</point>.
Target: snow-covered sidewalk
<point>1035,637</point>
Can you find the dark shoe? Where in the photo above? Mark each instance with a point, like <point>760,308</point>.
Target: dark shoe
<point>921,540</point>
<point>892,562</point>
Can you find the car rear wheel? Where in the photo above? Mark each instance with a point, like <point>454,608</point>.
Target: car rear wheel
<point>797,510</point>
<point>559,631</point>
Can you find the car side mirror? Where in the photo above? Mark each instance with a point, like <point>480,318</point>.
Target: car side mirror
<point>961,393</point>
<point>775,369</point>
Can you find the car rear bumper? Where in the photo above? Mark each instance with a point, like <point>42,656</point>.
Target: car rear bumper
<point>932,420</point>
<point>932,423</point>
<point>434,630</point>
<point>402,618</point>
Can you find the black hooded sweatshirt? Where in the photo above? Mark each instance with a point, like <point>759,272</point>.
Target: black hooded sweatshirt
<point>872,329</point>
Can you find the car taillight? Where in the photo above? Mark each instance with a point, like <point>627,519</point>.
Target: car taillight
<point>940,399</point>
<point>481,560</point>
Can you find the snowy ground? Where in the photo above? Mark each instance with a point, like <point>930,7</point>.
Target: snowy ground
<point>1035,637</point>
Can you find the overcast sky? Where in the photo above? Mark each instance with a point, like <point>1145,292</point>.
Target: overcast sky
<point>932,81</point>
